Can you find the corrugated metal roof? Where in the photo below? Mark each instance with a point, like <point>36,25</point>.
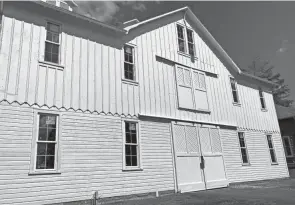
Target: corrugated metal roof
<point>285,112</point>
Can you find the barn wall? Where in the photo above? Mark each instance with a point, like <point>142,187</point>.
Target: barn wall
<point>260,167</point>
<point>91,159</point>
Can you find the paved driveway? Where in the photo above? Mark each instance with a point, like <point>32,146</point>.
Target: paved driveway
<point>275,192</point>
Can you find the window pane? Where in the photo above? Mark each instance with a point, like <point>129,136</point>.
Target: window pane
<point>244,156</point>
<point>50,149</point>
<point>40,164</point>
<point>128,137</point>
<point>54,58</point>
<point>51,134</point>
<point>53,27</point>
<point>235,96</point>
<point>55,38</point>
<point>260,94</point>
<point>180,32</point>
<point>242,142</point>
<point>262,102</point>
<point>134,150</point>
<point>128,150</point>
<point>270,145</point>
<point>181,45</point>
<point>273,156</point>
<point>42,134</point>
<point>55,49</point>
<point>190,36</point>
<point>128,160</point>
<point>133,138</point>
<point>128,71</point>
<point>191,49</point>
<point>134,160</point>
<point>288,151</point>
<point>233,84</point>
<point>49,162</point>
<point>41,149</point>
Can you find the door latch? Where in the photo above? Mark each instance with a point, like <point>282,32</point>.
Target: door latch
<point>202,164</point>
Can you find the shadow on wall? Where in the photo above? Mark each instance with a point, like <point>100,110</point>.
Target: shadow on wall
<point>31,12</point>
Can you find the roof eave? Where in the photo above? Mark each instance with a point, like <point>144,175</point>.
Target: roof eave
<point>91,20</point>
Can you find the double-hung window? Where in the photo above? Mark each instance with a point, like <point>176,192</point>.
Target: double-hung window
<point>46,142</point>
<point>271,149</point>
<point>131,145</point>
<point>52,43</point>
<point>243,147</point>
<point>185,40</point>
<point>129,67</point>
<point>191,89</point>
<point>262,100</point>
<point>288,146</point>
<point>234,89</point>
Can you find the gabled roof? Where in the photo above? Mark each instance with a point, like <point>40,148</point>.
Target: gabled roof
<point>188,14</point>
<point>285,112</point>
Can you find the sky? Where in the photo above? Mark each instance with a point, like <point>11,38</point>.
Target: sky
<point>245,30</point>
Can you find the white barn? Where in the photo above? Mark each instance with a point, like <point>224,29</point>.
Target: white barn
<point>153,107</point>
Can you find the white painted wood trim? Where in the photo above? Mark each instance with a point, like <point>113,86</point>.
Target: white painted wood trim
<point>57,160</point>
<point>139,158</point>
<point>173,157</point>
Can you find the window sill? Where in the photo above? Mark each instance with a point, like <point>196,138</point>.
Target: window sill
<point>131,82</point>
<point>132,169</point>
<point>246,164</point>
<point>55,65</point>
<point>195,110</point>
<point>51,172</point>
<point>187,55</point>
<point>263,110</point>
<point>275,163</point>
<point>237,104</point>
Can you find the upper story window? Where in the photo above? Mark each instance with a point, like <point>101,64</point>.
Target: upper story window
<point>185,40</point>
<point>234,89</point>
<point>262,100</point>
<point>243,147</point>
<point>191,89</point>
<point>271,149</point>
<point>52,43</point>
<point>190,42</point>
<point>129,68</point>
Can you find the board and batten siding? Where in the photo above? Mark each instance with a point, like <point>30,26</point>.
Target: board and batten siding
<point>158,93</point>
<point>89,78</point>
<point>260,167</point>
<point>91,159</point>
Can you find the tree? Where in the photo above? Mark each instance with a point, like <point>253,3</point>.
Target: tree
<point>264,69</point>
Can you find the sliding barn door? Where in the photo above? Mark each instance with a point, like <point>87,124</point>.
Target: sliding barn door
<point>211,150</point>
<point>188,158</point>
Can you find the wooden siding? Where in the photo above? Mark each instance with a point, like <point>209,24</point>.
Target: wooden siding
<point>91,159</point>
<point>260,167</point>
<point>91,77</point>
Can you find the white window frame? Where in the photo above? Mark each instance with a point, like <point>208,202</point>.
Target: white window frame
<point>236,90</point>
<point>59,43</point>
<point>57,156</point>
<point>139,160</point>
<point>134,63</point>
<point>186,42</point>
<point>273,148</point>
<point>261,97</point>
<point>246,148</point>
<point>289,140</point>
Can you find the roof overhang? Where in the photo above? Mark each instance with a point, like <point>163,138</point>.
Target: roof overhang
<point>207,37</point>
<point>82,17</point>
